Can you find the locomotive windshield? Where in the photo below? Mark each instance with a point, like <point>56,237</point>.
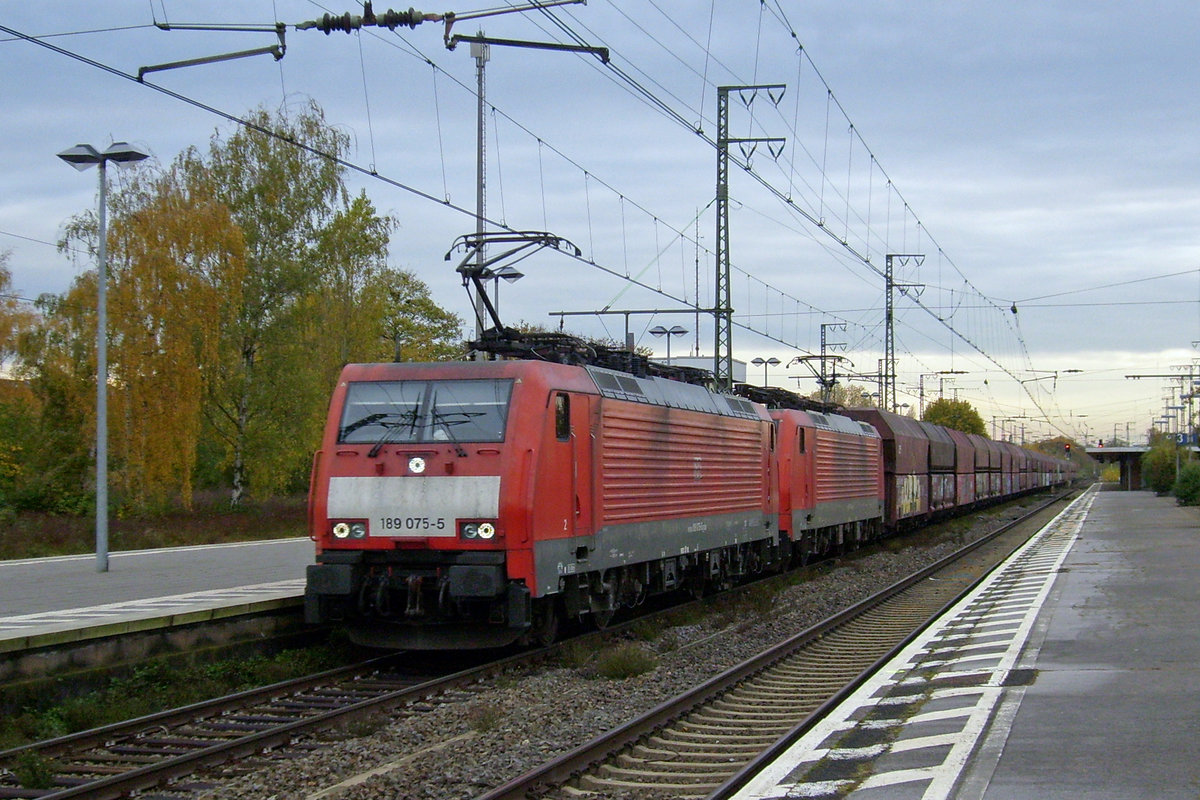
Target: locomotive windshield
<point>379,412</point>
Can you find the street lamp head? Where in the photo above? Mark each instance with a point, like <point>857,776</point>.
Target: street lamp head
<point>674,330</point>
<point>773,362</point>
<point>83,156</point>
<point>507,274</point>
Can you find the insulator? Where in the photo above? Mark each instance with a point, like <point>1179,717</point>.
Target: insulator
<point>331,22</point>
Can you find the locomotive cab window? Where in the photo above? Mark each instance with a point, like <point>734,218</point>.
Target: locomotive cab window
<point>800,439</point>
<point>400,412</point>
<point>562,416</point>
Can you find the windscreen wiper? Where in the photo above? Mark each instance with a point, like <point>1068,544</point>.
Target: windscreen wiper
<point>438,418</point>
<point>361,423</point>
<point>406,418</point>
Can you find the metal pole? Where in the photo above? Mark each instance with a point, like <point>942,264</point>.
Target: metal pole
<point>102,383</point>
<point>889,353</point>
<point>480,52</point>
<point>722,313</point>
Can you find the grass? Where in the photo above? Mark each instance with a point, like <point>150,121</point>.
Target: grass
<point>578,655</point>
<point>211,521</point>
<point>625,660</point>
<point>484,717</point>
<point>616,662</point>
<point>156,686</point>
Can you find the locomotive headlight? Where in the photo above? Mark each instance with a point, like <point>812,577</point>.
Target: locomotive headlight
<point>358,530</point>
<point>476,530</point>
<point>341,530</point>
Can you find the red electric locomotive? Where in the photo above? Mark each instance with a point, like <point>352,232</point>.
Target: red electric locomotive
<point>472,504</point>
<point>830,472</point>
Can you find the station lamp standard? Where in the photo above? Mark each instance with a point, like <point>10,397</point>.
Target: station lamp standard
<point>765,363</point>
<point>506,273</point>
<point>674,330</point>
<point>81,157</point>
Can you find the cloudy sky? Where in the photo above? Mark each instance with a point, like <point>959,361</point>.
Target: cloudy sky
<point>1042,156</point>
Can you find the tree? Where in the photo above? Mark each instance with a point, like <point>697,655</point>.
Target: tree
<point>305,238</point>
<point>847,395</point>
<point>18,411</point>
<point>15,314</point>
<point>178,263</point>
<point>957,414</point>
<point>18,442</point>
<point>416,328</point>
<point>175,263</point>
<point>57,359</point>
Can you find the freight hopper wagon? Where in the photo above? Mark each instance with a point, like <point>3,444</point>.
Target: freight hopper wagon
<point>474,504</point>
<point>831,482</point>
<point>907,495</point>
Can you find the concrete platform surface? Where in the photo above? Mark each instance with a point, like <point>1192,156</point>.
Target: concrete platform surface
<point>66,596</point>
<point>1114,707</point>
<point>1073,671</point>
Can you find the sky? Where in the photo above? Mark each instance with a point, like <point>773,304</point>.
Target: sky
<point>1038,156</point>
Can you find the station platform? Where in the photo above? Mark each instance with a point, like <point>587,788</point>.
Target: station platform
<point>48,602</point>
<point>1070,672</point>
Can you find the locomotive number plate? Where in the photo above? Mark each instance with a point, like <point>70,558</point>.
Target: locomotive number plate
<point>413,524</point>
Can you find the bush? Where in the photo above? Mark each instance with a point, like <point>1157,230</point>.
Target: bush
<point>1187,487</point>
<point>34,771</point>
<point>1158,468</point>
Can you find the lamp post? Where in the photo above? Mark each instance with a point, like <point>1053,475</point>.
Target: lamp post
<point>674,330</point>
<point>765,363</point>
<point>508,274</point>
<point>81,157</point>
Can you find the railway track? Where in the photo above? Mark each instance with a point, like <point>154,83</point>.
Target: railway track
<point>163,749</point>
<point>120,759</point>
<point>690,746</point>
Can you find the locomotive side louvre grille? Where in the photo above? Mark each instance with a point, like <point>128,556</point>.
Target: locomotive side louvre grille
<point>846,467</point>
<point>694,465</point>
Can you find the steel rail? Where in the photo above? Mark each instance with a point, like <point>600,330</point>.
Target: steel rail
<point>144,730</point>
